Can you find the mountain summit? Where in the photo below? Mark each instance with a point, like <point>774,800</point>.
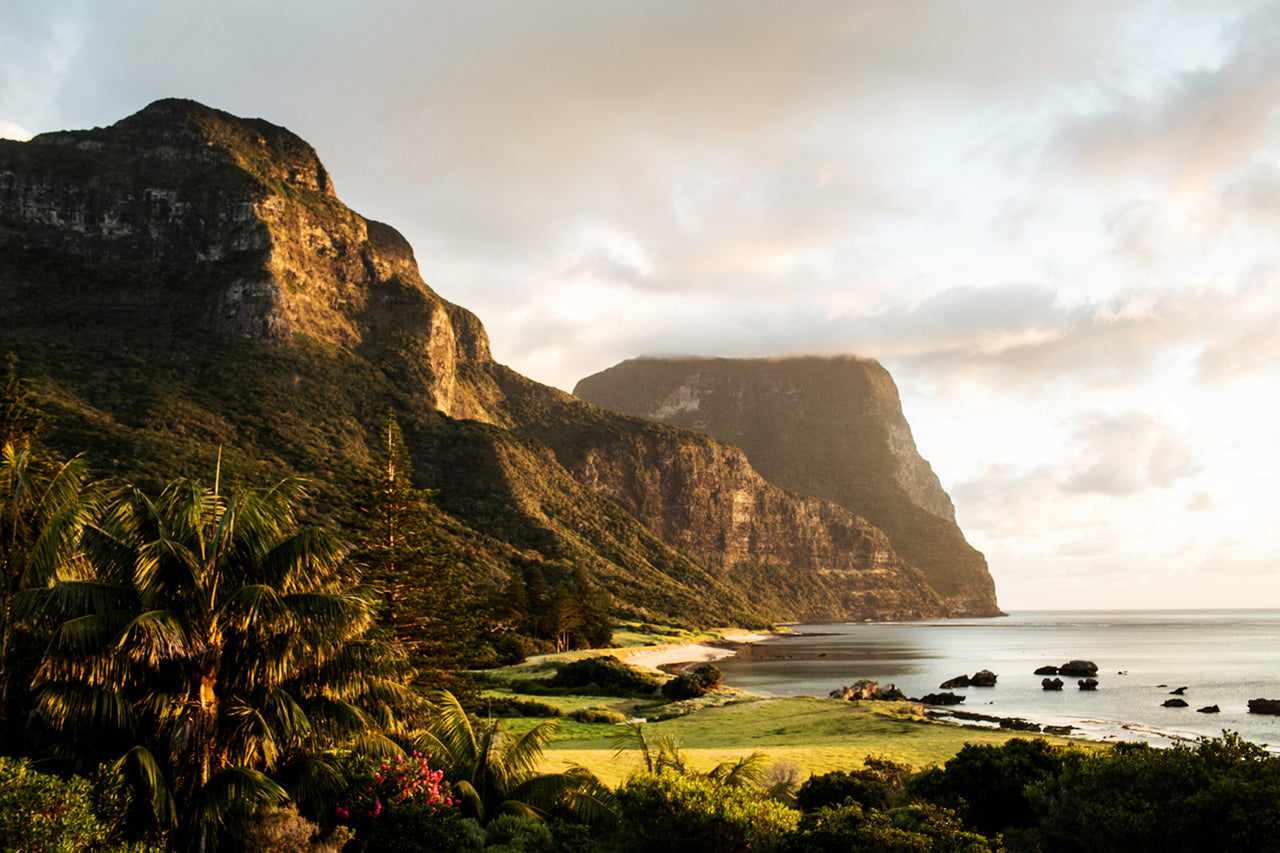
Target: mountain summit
<point>828,427</point>
<point>186,283</point>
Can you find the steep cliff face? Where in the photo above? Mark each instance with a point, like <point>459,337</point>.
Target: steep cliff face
<point>832,428</point>
<point>185,286</point>
<point>181,184</point>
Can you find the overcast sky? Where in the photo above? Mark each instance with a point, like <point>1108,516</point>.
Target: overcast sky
<point>1054,222</point>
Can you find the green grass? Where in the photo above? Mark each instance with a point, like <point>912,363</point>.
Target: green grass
<point>814,735</point>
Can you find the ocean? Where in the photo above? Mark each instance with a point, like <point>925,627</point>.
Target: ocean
<point>1221,657</point>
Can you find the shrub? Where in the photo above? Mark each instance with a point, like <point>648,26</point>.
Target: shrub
<point>598,715</point>
<point>987,784</point>
<point>511,833</point>
<point>691,685</point>
<point>878,785</point>
<point>668,811</point>
<point>40,813</point>
<point>913,829</point>
<point>395,798</point>
<point>606,675</point>
<point>511,706</point>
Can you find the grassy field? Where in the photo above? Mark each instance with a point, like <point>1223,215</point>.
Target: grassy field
<point>811,735</point>
<point>807,734</point>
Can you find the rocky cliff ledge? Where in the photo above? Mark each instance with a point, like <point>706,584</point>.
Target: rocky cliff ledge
<point>832,428</point>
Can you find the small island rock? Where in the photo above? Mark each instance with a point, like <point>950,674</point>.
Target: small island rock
<point>1264,706</point>
<point>865,689</point>
<point>1178,692</point>
<point>1079,668</point>
<point>983,678</point>
<point>958,681</point>
<point>1209,709</point>
<point>1047,670</point>
<point>940,699</point>
<point>1051,683</point>
<point>1088,683</point>
<point>1175,703</point>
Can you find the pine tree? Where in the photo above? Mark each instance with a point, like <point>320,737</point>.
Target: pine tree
<point>420,578</point>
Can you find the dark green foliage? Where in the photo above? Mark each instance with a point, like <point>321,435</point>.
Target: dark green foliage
<point>511,706</point>
<point>670,811</point>
<point>214,641</point>
<point>598,715</point>
<point>691,685</point>
<point>413,829</point>
<point>604,675</point>
<point>911,829</point>
<point>986,784</point>
<point>878,785</point>
<point>406,559</point>
<point>1224,794</point>
<point>45,814</point>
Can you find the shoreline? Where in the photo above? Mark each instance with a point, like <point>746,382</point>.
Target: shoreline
<point>674,658</point>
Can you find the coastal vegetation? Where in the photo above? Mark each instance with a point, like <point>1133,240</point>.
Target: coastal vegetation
<point>199,669</point>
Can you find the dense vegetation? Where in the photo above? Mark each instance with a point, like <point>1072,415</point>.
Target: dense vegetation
<point>196,669</point>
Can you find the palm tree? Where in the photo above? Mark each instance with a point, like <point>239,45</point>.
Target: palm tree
<point>215,642</point>
<point>664,753</point>
<point>44,506</point>
<point>496,772</point>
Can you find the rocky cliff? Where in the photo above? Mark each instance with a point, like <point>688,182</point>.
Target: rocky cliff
<point>828,427</point>
<point>186,280</point>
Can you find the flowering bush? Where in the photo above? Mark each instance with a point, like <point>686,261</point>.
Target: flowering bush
<point>379,785</point>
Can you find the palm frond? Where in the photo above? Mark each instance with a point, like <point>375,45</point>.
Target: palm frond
<point>154,636</point>
<point>144,764</point>
<point>746,772</point>
<point>235,792</point>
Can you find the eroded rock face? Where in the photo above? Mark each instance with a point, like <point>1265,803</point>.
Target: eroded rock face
<point>232,226</point>
<point>703,498</point>
<point>181,184</point>
<point>828,427</point>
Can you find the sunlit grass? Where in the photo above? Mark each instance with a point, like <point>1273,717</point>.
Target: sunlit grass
<point>814,735</point>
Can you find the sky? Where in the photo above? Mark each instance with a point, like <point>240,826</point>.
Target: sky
<point>1054,223</point>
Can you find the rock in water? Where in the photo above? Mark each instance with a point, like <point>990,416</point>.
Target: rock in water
<point>983,678</point>
<point>816,426</point>
<point>1175,703</point>
<point>1047,670</point>
<point>1079,668</point>
<point>865,689</point>
<point>940,699</point>
<point>952,683</point>
<point>1088,683</point>
<point>1051,683</point>
<point>1209,709</point>
<point>1264,706</point>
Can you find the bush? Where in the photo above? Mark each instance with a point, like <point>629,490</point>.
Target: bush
<point>877,786</point>
<point>668,811</point>
<point>510,833</point>
<point>598,715</point>
<point>45,814</point>
<point>913,829</point>
<point>987,784</point>
<point>691,685</point>
<point>511,706</point>
<point>606,676</point>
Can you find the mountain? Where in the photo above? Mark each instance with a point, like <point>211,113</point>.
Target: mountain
<point>186,285</point>
<point>828,427</point>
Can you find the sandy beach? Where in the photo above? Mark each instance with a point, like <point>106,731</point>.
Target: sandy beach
<point>678,655</point>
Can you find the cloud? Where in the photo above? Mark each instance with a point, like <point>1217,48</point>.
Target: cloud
<point>1123,454</point>
<point>10,130</point>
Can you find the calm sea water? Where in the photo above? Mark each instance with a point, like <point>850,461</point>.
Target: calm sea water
<point>1222,657</point>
